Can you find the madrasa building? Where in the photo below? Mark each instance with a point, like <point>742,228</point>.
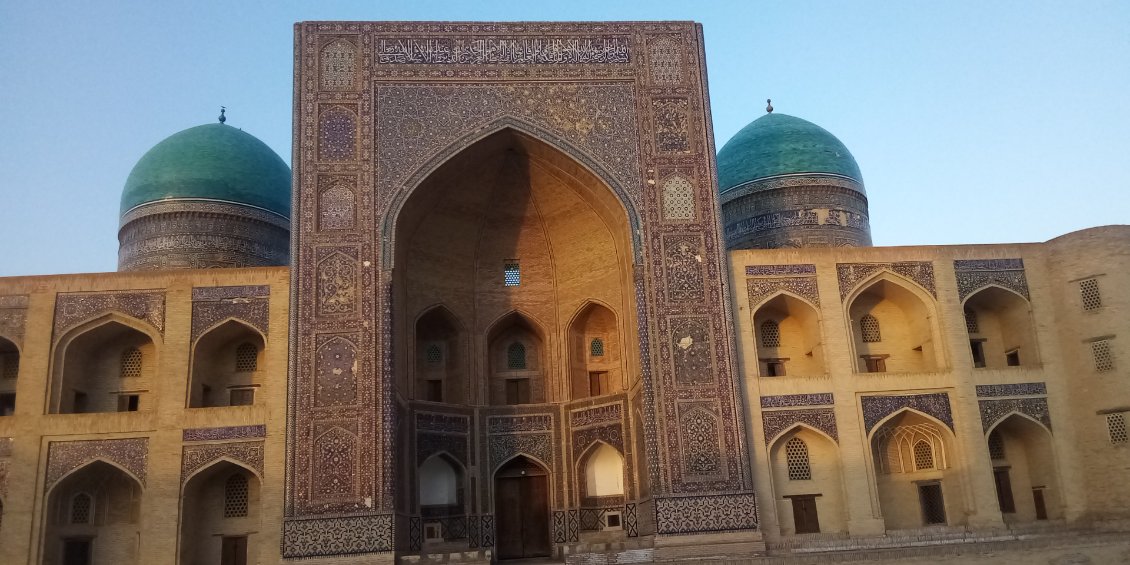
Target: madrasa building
<point>511,304</point>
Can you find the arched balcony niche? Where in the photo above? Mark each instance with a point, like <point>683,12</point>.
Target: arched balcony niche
<point>517,362</point>
<point>227,366</point>
<point>893,329</point>
<point>1024,470</point>
<point>807,482</point>
<point>220,515</point>
<point>1000,328</point>
<point>9,371</point>
<point>106,365</point>
<point>788,338</point>
<point>594,353</point>
<point>441,357</point>
<point>917,474</point>
<point>93,516</point>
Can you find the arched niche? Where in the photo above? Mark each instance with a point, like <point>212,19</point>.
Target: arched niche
<point>594,353</point>
<point>1024,470</point>
<point>603,472</point>
<point>440,358</point>
<point>9,371</point>
<point>893,328</point>
<point>1000,329</point>
<point>220,514</point>
<point>227,366</point>
<point>807,482</point>
<point>509,222</point>
<point>788,338</point>
<point>441,488</point>
<point>93,512</point>
<point>517,359</point>
<point>106,365</point>
<point>917,472</point>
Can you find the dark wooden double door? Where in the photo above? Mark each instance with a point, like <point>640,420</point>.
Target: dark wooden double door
<point>521,509</point>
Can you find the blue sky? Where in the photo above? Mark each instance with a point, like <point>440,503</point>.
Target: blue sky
<point>973,122</point>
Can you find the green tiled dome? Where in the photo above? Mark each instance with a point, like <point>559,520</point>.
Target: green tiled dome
<point>212,161</point>
<point>777,144</point>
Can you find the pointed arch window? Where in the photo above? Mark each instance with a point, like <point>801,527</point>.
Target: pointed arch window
<point>82,506</point>
<point>770,334</point>
<point>235,496</point>
<point>869,327</point>
<point>246,358</point>
<point>796,457</point>
<point>923,456</point>
<point>131,363</point>
<point>516,356</point>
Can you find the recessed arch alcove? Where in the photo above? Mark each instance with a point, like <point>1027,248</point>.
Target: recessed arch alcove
<point>95,511</point>
<point>9,370</point>
<point>220,514</point>
<point>1000,328</point>
<point>104,365</point>
<point>807,482</point>
<point>788,338</point>
<point>226,366</point>
<point>894,327</point>
<point>1024,467</point>
<point>918,472</point>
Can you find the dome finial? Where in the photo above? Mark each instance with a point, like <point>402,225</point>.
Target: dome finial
<point>769,105</point>
<point>222,117</point>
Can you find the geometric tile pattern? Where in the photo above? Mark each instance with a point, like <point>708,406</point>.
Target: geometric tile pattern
<point>1018,389</point>
<point>875,408</point>
<point>697,514</point>
<point>13,311</point>
<point>72,308</point>
<point>851,274</point>
<point>777,421</point>
<point>65,456</point>
<point>993,410</point>
<point>225,433</point>
<point>974,274</point>
<point>337,536</point>
<point>790,400</point>
<point>249,304</point>
<point>196,457</point>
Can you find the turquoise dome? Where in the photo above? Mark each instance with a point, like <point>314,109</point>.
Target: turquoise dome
<point>215,162</point>
<point>777,144</point>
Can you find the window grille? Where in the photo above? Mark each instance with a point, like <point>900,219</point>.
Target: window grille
<point>131,362</point>
<point>1104,359</point>
<point>596,347</point>
<point>678,199</point>
<point>81,506</point>
<point>433,354</point>
<point>996,445</point>
<point>11,365</point>
<point>1089,292</point>
<point>246,358</point>
<point>971,324</point>
<point>1116,425</point>
<point>516,356</point>
<point>796,456</point>
<point>235,496</point>
<point>770,334</point>
<point>511,273</point>
<point>923,456</point>
<point>869,327</point>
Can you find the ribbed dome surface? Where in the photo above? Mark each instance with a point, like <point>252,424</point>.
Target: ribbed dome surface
<point>212,161</point>
<point>778,144</point>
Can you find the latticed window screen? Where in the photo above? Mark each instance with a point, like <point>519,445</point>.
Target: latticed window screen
<point>1116,425</point>
<point>770,334</point>
<point>678,199</point>
<point>433,354</point>
<point>9,365</point>
<point>511,273</point>
<point>996,445</point>
<point>1104,359</point>
<point>246,358</point>
<point>971,324</point>
<point>81,505</point>
<point>131,362</point>
<point>796,457</point>
<point>235,496</point>
<point>1089,292</point>
<point>516,356</point>
<point>869,327</point>
<point>596,347</point>
<point>923,455</point>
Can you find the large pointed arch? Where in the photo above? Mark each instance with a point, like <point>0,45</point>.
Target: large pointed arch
<point>794,347</point>
<point>114,511</point>
<point>86,362</point>
<point>219,364</point>
<point>1000,328</point>
<point>912,341</point>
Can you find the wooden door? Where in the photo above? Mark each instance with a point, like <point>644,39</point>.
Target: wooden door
<point>805,519</point>
<point>1041,507</point>
<point>234,551</point>
<point>76,552</point>
<point>521,507</point>
<point>1004,490</point>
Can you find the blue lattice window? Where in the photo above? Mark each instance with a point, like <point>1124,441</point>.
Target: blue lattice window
<point>596,347</point>
<point>511,273</point>
<point>516,356</point>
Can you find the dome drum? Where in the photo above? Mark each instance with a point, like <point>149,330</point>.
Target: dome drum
<point>796,211</point>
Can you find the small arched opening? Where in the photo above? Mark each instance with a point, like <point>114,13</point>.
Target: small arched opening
<point>1024,470</point>
<point>807,483</point>
<point>93,516</point>
<point>594,353</point>
<point>893,329</point>
<point>440,359</point>
<point>999,324</point>
<point>227,366</point>
<point>105,366</point>
<point>787,333</point>
<point>220,515</point>
<point>517,359</point>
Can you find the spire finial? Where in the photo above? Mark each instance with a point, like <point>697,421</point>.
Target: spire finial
<point>769,105</point>
<point>222,117</point>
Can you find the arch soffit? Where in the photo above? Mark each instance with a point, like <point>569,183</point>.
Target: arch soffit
<point>448,458</point>
<point>908,410</point>
<point>219,460</point>
<point>5,338</point>
<point>783,292</point>
<point>500,322</point>
<point>590,303</point>
<point>928,300</point>
<point>1021,415</point>
<point>84,465</point>
<point>86,326</point>
<point>522,454</point>
<point>442,309</point>
<point>594,446</point>
<point>541,135</point>
<point>988,286</point>
<point>225,321</point>
<point>791,430</point>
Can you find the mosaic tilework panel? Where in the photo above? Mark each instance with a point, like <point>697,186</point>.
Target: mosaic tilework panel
<point>696,514</point>
<point>503,447</point>
<point>994,410</point>
<point>573,520</point>
<point>758,289</point>
<point>337,202</point>
<point>510,424</point>
<point>875,408</point>
<point>338,64</point>
<point>631,520</point>
<point>790,400</point>
<point>428,444</point>
<point>780,270</point>
<point>683,267</point>
<point>851,274</point>
<point>1018,389</point>
<point>337,281</point>
<point>196,457</point>
<point>437,422</point>
<point>560,534</point>
<point>486,530</point>
<point>977,273</point>
<point>337,536</point>
<point>224,433</point>
<point>474,536</point>
<point>337,133</point>
<point>778,421</point>
<point>65,456</point>
<point>249,304</point>
<point>596,415</point>
<point>612,435</point>
<point>503,51</point>
<point>13,313</point>
<point>72,309</point>
<point>693,351</point>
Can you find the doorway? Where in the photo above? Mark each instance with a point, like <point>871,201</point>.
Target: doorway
<point>521,505</point>
<point>933,505</point>
<point>1004,490</point>
<point>76,552</point>
<point>805,518</point>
